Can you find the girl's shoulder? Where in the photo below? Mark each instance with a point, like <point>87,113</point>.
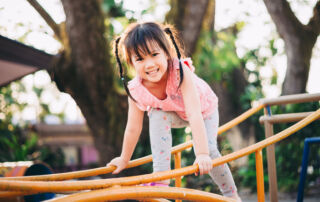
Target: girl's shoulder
<point>186,61</point>
<point>174,78</point>
<point>135,87</point>
<point>134,83</point>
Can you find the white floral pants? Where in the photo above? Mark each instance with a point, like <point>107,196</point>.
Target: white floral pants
<point>160,126</point>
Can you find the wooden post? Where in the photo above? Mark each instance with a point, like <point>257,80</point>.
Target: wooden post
<point>272,172</point>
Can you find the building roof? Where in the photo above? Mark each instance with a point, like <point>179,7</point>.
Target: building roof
<point>64,134</point>
<point>18,60</point>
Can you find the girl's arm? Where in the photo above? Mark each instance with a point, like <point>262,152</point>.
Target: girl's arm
<point>131,137</point>
<point>192,104</point>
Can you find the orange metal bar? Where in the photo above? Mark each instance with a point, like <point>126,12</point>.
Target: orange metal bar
<point>6,185</point>
<point>177,164</point>
<point>260,180</point>
<point>140,192</point>
<point>79,174</point>
<point>154,200</point>
<point>11,194</point>
<point>7,194</point>
<point>133,163</point>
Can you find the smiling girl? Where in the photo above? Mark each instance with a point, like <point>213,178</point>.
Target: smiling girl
<point>173,96</point>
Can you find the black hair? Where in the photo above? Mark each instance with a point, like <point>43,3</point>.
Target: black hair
<point>168,31</point>
<point>121,70</point>
<point>135,41</point>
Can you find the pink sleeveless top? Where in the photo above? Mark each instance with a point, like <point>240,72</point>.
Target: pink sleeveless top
<point>174,101</point>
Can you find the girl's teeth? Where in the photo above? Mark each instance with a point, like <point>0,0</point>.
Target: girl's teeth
<point>154,71</point>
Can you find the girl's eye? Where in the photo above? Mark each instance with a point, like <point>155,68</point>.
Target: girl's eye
<point>139,59</point>
<point>155,54</point>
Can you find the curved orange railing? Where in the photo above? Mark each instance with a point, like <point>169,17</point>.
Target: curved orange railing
<point>143,193</point>
<point>38,186</point>
<point>133,163</point>
<point>98,171</point>
<point>14,186</point>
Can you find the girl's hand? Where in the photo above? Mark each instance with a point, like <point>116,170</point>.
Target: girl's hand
<point>120,163</point>
<point>204,162</point>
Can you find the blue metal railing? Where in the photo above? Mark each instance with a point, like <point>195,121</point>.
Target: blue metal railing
<point>303,173</point>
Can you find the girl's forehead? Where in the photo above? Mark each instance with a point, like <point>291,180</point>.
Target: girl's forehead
<point>150,45</point>
<point>153,44</point>
<point>145,48</point>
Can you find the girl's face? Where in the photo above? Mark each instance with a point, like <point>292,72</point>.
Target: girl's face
<point>151,67</point>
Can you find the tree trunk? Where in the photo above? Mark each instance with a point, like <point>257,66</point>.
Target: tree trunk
<point>84,71</point>
<point>188,18</point>
<point>299,41</point>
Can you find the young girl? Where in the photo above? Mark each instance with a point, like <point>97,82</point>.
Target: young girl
<point>174,97</point>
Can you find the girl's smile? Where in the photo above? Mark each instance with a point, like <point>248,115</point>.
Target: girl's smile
<point>153,72</point>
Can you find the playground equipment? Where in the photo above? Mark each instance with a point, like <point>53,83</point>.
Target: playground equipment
<point>303,173</point>
<point>124,187</point>
<point>268,120</point>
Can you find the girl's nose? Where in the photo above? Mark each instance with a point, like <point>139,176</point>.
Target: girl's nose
<point>149,63</point>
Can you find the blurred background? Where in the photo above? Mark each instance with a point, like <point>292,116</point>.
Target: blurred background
<point>61,101</point>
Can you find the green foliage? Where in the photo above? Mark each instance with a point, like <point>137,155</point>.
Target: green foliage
<point>273,49</point>
<point>20,144</point>
<point>8,103</point>
<point>112,9</point>
<point>53,157</point>
<point>15,146</point>
<point>215,59</point>
<point>17,141</point>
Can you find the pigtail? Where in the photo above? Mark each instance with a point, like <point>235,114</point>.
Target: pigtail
<point>168,31</point>
<point>121,69</point>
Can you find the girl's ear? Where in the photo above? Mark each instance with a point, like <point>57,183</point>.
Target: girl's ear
<point>168,57</point>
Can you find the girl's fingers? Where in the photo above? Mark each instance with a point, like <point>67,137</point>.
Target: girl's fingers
<point>208,168</point>
<point>116,171</point>
<point>109,165</point>
<point>204,167</point>
<point>204,170</point>
<point>200,169</point>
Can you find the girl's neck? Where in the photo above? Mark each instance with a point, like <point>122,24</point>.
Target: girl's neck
<point>158,89</point>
